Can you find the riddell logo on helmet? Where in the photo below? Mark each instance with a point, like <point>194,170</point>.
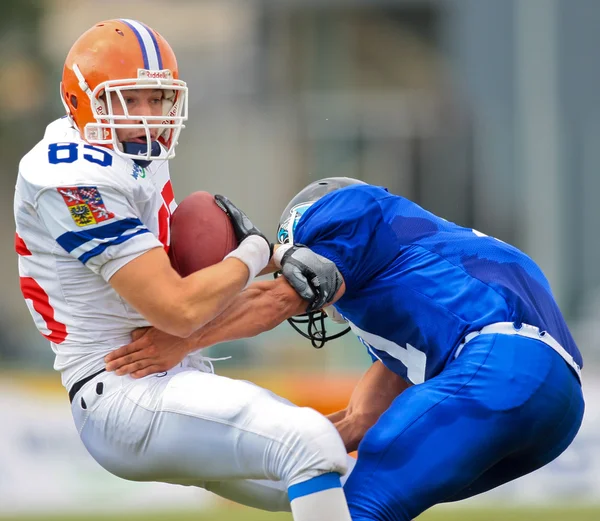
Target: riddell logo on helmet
<point>164,74</point>
<point>173,111</point>
<point>95,134</point>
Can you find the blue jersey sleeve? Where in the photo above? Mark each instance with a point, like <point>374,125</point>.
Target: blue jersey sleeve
<point>347,227</point>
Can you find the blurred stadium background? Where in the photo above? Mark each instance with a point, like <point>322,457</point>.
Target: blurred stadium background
<point>483,111</point>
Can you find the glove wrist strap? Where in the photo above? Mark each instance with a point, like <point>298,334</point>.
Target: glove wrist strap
<point>254,251</point>
<point>279,253</point>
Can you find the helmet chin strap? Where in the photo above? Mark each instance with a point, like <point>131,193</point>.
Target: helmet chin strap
<point>141,149</point>
<point>314,324</point>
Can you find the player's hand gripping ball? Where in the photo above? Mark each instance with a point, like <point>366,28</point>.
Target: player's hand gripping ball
<point>241,223</point>
<point>201,234</point>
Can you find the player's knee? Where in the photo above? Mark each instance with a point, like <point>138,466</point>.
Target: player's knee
<point>314,447</point>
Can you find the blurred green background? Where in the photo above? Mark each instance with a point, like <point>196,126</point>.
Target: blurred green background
<point>485,112</point>
<point>435,514</point>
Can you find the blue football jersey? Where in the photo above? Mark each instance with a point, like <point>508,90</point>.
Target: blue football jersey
<point>416,284</point>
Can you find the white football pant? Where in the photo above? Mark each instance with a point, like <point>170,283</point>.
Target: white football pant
<point>196,428</point>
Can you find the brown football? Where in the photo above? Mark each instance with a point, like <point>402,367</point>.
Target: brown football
<point>201,234</point>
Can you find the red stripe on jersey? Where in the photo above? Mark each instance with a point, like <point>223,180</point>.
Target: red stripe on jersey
<point>164,215</point>
<point>167,194</point>
<point>20,246</point>
<point>41,303</point>
<point>163,227</point>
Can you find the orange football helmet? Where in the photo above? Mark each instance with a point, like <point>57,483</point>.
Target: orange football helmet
<point>115,56</point>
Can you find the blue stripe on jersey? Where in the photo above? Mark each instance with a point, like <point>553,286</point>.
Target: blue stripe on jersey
<point>71,240</point>
<point>84,257</point>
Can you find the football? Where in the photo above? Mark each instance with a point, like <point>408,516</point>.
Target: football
<point>201,234</point>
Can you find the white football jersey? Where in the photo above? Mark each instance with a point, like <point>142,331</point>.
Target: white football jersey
<point>82,212</point>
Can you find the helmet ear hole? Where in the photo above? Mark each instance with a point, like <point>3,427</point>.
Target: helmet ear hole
<point>72,100</point>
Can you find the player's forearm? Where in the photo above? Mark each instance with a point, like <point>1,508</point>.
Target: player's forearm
<point>210,291</point>
<point>337,416</point>
<point>371,397</point>
<point>193,301</point>
<point>259,308</point>
<point>350,429</point>
<point>178,306</point>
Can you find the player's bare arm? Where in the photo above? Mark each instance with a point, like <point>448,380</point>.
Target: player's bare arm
<point>373,394</point>
<point>259,308</point>
<point>181,305</point>
<point>176,305</point>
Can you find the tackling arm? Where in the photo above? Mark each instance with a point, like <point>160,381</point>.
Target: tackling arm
<point>181,306</point>
<point>261,307</point>
<point>373,394</point>
<point>176,305</point>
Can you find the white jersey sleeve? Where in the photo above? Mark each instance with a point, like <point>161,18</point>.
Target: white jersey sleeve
<point>98,225</point>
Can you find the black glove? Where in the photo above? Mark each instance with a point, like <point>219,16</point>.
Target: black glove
<point>242,226</point>
<point>315,278</point>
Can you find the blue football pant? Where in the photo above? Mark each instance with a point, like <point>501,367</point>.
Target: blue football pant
<point>505,407</point>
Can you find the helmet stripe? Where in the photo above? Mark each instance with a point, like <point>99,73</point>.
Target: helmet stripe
<point>148,44</point>
<point>156,48</point>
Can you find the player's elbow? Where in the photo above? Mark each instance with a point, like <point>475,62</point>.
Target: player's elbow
<point>176,319</point>
<point>178,325</point>
<point>184,329</point>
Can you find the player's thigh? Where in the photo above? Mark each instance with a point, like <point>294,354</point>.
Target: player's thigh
<point>421,450</point>
<point>439,437</point>
<point>190,427</point>
<point>513,467</point>
<point>555,413</point>
<point>244,430</point>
